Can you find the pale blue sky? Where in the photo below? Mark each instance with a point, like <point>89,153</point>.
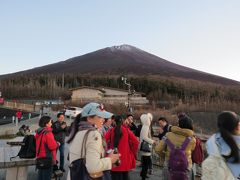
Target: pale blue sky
<point>203,34</point>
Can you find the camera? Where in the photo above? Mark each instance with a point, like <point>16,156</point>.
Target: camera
<point>118,162</point>
<point>114,151</point>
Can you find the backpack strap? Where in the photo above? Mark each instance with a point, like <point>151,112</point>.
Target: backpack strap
<point>45,132</point>
<point>84,143</point>
<point>13,157</point>
<point>169,143</point>
<point>40,145</point>
<point>172,146</point>
<point>185,143</point>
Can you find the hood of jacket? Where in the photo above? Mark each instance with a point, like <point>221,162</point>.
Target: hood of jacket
<point>42,129</point>
<point>146,119</point>
<point>223,147</point>
<point>211,147</point>
<point>182,131</point>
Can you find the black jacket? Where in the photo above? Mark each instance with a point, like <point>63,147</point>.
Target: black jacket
<point>166,129</point>
<point>59,133</point>
<point>133,128</point>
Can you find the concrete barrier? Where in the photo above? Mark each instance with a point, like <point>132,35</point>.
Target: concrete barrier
<point>22,106</point>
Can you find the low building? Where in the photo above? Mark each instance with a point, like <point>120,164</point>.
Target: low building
<point>106,95</point>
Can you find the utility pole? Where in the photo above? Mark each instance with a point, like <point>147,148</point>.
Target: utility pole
<point>130,93</point>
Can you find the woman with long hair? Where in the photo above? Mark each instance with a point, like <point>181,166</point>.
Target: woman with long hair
<point>126,143</point>
<point>89,122</point>
<point>225,145</point>
<point>46,146</point>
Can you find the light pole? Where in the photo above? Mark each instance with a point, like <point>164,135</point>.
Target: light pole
<point>130,93</point>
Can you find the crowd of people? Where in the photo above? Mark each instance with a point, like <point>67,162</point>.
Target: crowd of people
<point>105,146</point>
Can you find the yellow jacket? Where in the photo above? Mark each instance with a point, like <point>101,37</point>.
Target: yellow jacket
<point>177,137</point>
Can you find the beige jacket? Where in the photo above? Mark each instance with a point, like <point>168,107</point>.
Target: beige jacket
<point>95,161</point>
<point>177,137</point>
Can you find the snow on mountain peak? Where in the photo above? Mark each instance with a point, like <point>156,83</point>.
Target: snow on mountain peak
<point>124,47</point>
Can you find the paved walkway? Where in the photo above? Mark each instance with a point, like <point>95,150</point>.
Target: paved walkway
<point>32,123</point>
<point>134,175</point>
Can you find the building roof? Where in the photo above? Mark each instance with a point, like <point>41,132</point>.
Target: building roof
<point>102,89</point>
<point>88,87</point>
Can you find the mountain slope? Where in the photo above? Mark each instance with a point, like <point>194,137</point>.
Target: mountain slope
<point>126,59</point>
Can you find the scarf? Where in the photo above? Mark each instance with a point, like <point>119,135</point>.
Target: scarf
<point>84,125</point>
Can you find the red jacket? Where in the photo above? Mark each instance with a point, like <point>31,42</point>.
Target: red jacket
<point>19,115</point>
<point>127,147</point>
<point>48,139</point>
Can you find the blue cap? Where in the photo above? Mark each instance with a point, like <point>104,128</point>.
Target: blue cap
<point>95,109</point>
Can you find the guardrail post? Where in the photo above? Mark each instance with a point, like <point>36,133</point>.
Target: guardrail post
<point>13,118</point>
<point>16,122</point>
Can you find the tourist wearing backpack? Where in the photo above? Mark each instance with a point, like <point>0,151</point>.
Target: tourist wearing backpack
<point>46,147</point>
<point>181,136</point>
<point>86,145</point>
<point>145,135</point>
<point>223,162</point>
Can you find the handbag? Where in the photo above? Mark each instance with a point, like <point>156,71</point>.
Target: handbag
<point>145,146</point>
<point>78,170</point>
<point>44,162</point>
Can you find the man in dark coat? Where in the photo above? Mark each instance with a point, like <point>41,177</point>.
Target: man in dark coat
<point>60,131</point>
<point>164,127</point>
